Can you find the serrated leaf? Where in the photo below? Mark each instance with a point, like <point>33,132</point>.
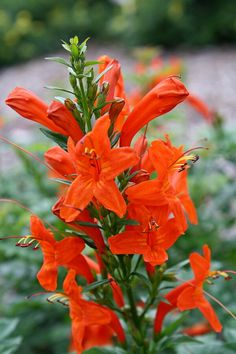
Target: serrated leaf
<point>59,60</point>
<point>59,139</point>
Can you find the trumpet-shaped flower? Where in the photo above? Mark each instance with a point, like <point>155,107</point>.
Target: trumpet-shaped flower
<point>190,295</point>
<point>161,99</point>
<point>97,165</point>
<point>66,253</point>
<point>89,318</point>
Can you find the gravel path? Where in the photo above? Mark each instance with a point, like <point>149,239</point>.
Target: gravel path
<point>210,73</point>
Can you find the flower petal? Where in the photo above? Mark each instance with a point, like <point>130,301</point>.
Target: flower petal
<point>108,194</point>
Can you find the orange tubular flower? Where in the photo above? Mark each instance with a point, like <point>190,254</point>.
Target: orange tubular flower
<point>66,252</point>
<point>92,324</point>
<point>170,187</point>
<point>198,329</point>
<point>190,295</point>
<point>161,99</point>
<point>200,107</point>
<point>116,88</point>
<point>55,117</point>
<point>97,165</point>
<point>29,106</point>
<point>60,161</point>
<point>65,120</point>
<point>151,238</point>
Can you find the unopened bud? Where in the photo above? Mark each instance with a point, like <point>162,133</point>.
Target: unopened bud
<point>73,80</point>
<point>115,109</point>
<point>104,88</point>
<point>70,105</point>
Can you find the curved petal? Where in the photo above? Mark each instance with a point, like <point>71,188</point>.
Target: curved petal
<point>119,160</point>
<point>128,242</point>
<point>199,265</point>
<point>47,276</point>
<point>64,119</point>
<point>186,300</point>
<point>108,194</point>
<point>209,313</point>
<point>156,256</point>
<point>161,99</point>
<point>78,196</point>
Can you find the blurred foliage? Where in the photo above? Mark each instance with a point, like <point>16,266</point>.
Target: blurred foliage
<point>32,27</point>
<point>177,22</point>
<point>44,328</point>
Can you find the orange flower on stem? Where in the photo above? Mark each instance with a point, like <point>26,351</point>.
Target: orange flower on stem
<point>55,117</point>
<point>161,99</point>
<point>66,253</point>
<point>92,324</point>
<point>170,186</point>
<point>97,165</point>
<point>190,295</point>
<point>151,238</point>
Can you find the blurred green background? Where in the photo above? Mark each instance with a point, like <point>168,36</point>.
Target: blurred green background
<point>30,28</point>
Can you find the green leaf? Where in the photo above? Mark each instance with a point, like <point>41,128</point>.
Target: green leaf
<point>60,139</point>
<point>9,346</point>
<point>130,222</point>
<point>89,224</point>
<point>66,46</point>
<point>48,87</point>
<point>60,180</point>
<point>7,327</point>
<point>102,73</point>
<point>96,284</point>
<point>92,62</point>
<point>58,60</point>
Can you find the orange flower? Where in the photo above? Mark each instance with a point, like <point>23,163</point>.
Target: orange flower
<point>61,161</point>
<point>64,119</point>
<point>200,107</point>
<point>97,165</point>
<point>93,232</point>
<point>116,89</point>
<point>151,238</point>
<point>198,329</point>
<point>66,253</point>
<point>92,324</point>
<point>56,117</point>
<point>29,106</point>
<point>170,187</point>
<point>161,99</point>
<point>190,295</point>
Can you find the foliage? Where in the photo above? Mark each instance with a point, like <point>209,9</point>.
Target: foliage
<point>29,27</point>
<point>178,22</point>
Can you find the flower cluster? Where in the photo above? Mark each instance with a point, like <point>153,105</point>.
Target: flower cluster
<point>124,202</point>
